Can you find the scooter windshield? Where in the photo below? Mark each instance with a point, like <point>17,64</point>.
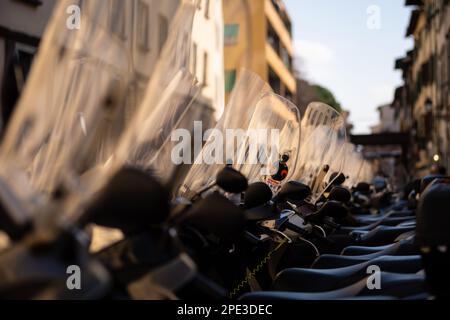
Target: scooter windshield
<point>322,154</point>
<point>366,173</point>
<point>77,80</point>
<point>220,146</point>
<point>146,143</point>
<point>96,76</point>
<point>269,151</point>
<point>90,78</point>
<point>352,165</point>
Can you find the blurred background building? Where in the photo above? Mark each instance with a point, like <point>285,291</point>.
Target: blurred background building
<point>258,36</point>
<point>207,54</point>
<point>386,155</point>
<point>422,103</point>
<point>388,120</point>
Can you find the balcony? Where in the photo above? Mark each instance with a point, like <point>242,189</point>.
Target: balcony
<point>278,47</point>
<point>281,10</point>
<point>278,31</point>
<point>280,69</point>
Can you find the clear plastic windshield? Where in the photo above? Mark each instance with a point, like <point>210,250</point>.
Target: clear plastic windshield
<point>85,84</point>
<point>352,165</point>
<point>85,88</point>
<point>366,173</point>
<point>234,122</point>
<point>78,81</point>
<point>146,143</point>
<point>270,150</point>
<point>322,153</point>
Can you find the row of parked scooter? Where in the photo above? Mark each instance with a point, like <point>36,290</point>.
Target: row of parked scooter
<point>93,205</point>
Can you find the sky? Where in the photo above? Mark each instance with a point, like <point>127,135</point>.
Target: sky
<point>349,46</point>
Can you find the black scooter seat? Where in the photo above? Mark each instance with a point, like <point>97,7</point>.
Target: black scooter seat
<point>367,219</point>
<point>393,286</point>
<point>411,223</point>
<point>385,222</point>
<point>403,247</point>
<point>327,261</point>
<point>320,280</point>
<point>381,235</point>
<point>264,212</point>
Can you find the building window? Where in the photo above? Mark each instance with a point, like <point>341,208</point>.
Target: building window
<point>272,38</point>
<point>230,80</point>
<point>288,95</point>
<point>284,55</point>
<point>143,26</point>
<point>274,81</point>
<point>231,33</point>
<point>205,69</point>
<point>163,31</point>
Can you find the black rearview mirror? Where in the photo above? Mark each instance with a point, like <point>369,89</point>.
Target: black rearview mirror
<point>231,180</point>
<point>216,215</point>
<point>257,194</point>
<point>132,201</point>
<point>295,191</point>
<point>337,179</point>
<point>334,209</point>
<point>340,194</point>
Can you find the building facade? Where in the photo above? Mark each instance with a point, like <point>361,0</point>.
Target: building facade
<point>207,54</point>
<point>258,37</point>
<point>388,120</point>
<point>422,102</point>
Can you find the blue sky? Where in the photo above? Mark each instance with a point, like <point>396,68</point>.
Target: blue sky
<point>338,50</point>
